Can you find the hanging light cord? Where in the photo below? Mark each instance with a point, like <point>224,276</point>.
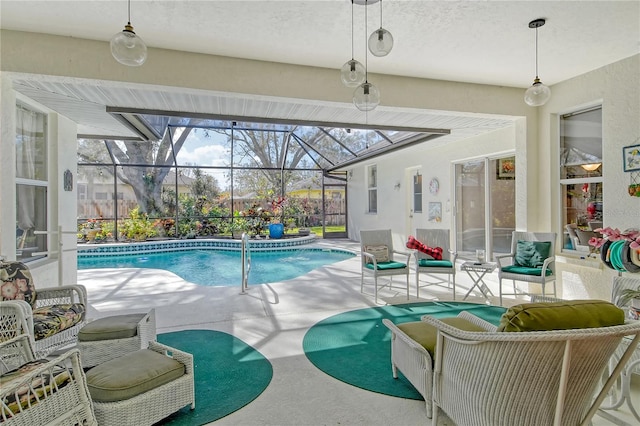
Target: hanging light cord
<point>536,52</point>
<point>366,59</point>
<point>129,12</point>
<point>380,13</point>
<point>352,55</point>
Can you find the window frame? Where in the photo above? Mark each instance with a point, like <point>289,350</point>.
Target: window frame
<point>372,188</point>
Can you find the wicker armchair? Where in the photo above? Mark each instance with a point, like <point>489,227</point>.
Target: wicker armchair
<point>414,361</point>
<point>50,392</point>
<point>379,259</point>
<point>527,378</point>
<point>425,265</point>
<point>52,317</point>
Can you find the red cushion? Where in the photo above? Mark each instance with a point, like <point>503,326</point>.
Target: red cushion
<point>435,252</point>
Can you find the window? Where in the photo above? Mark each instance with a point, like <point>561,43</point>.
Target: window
<point>31,183</point>
<point>417,193</point>
<point>372,186</point>
<point>581,176</point>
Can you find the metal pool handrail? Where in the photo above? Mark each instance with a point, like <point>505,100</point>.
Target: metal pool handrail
<point>246,263</point>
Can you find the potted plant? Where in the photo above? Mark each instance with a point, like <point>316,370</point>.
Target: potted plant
<point>631,297</point>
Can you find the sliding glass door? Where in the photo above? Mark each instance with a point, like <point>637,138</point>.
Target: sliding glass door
<point>484,206</point>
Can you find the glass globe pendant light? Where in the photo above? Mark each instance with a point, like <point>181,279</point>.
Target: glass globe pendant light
<point>127,47</point>
<point>538,94</point>
<point>381,40</point>
<point>352,73</point>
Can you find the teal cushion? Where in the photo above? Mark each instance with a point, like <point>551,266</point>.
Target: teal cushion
<point>387,265</point>
<point>431,263</point>
<point>564,315</point>
<point>132,374</point>
<point>525,270</point>
<point>532,253</point>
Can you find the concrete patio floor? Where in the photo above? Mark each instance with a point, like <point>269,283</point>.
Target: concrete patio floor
<point>273,318</point>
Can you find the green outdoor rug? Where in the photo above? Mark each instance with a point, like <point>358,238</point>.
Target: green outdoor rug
<point>229,374</point>
<point>355,347</point>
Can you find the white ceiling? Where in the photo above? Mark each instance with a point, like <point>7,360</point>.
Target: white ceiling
<point>469,41</point>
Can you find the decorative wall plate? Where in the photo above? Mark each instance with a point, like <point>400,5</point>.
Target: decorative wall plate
<point>434,186</point>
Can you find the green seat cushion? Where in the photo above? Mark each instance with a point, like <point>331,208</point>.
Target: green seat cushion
<point>132,374</point>
<point>426,334</point>
<point>109,328</point>
<point>532,253</point>
<point>565,315</point>
<point>387,265</point>
<point>49,320</point>
<point>526,270</point>
<point>432,263</point>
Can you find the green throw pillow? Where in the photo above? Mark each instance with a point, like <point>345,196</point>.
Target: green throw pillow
<point>532,253</point>
<point>567,315</point>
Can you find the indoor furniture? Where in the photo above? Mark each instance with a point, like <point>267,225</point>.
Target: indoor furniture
<point>380,259</point>
<point>39,392</point>
<point>52,316</point>
<point>531,260</point>
<point>542,366</point>
<point>476,272</point>
<point>427,265</point>
<point>142,387</point>
<point>113,336</point>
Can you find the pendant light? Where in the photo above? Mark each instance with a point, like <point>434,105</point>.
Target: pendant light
<point>367,96</point>
<point>127,47</point>
<point>352,72</point>
<point>538,94</point>
<point>381,40</point>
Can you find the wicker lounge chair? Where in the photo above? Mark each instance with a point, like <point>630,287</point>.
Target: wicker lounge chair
<point>379,259</point>
<point>50,391</point>
<point>525,378</point>
<point>51,316</point>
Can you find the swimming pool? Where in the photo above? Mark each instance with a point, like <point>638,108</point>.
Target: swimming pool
<point>223,267</point>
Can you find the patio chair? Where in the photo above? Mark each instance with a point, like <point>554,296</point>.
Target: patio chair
<point>530,371</point>
<point>52,317</point>
<point>532,260</point>
<point>415,361</point>
<point>427,265</point>
<point>379,259</point>
<point>38,392</point>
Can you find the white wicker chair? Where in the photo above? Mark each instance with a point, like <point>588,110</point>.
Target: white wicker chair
<point>98,351</point>
<point>16,317</point>
<point>371,266</point>
<point>509,260</point>
<point>67,404</point>
<point>414,361</point>
<point>156,404</point>
<point>435,238</point>
<point>622,394</point>
<point>527,378</point>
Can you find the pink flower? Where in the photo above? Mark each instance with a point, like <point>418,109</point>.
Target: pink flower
<point>9,290</point>
<point>596,242</point>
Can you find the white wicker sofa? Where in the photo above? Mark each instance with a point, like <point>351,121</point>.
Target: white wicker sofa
<point>52,317</point>
<point>38,392</point>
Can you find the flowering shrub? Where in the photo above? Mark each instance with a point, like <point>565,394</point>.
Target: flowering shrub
<point>257,218</point>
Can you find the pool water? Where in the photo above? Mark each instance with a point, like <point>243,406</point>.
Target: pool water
<point>223,267</point>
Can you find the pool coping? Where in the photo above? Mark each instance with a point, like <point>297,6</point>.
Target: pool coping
<point>90,250</point>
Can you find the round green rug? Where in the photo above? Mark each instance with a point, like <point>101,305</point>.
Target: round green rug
<point>355,347</point>
<point>229,374</point>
